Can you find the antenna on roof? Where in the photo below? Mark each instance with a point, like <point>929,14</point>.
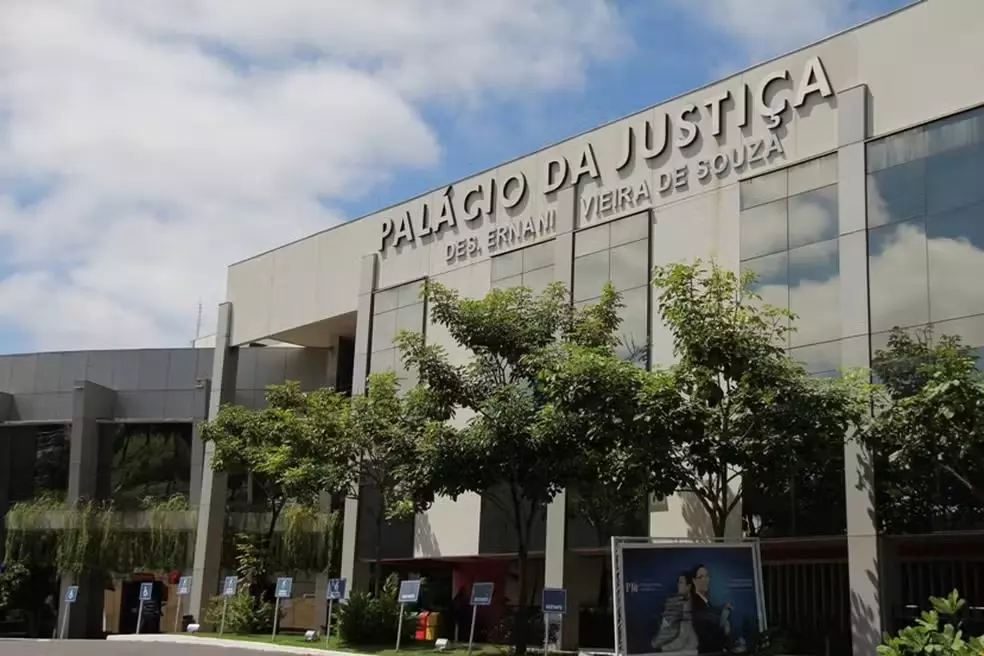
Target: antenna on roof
<point>198,322</point>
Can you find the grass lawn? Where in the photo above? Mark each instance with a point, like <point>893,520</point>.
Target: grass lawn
<point>290,640</point>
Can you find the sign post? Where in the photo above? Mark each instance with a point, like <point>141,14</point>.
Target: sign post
<point>481,595</point>
<point>409,593</point>
<point>71,595</point>
<point>284,586</point>
<point>228,590</point>
<point>554,603</point>
<point>334,592</point>
<point>146,594</point>
<point>184,589</point>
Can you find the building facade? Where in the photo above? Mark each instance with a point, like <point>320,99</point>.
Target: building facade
<point>847,175</point>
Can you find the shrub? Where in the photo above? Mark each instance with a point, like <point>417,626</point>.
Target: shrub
<point>926,636</point>
<point>368,620</point>
<point>245,614</point>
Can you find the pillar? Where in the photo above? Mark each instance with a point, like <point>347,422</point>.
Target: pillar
<point>200,410</point>
<point>212,492</point>
<point>351,570</point>
<point>6,401</point>
<point>555,549</point>
<point>863,549</point>
<point>90,403</point>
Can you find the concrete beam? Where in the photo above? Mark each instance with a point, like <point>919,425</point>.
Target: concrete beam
<point>350,523</point>
<point>212,491</point>
<point>90,403</point>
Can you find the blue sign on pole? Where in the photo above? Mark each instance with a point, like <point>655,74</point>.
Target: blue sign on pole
<point>71,594</point>
<point>184,586</point>
<point>284,585</point>
<point>336,589</point>
<point>146,591</point>
<point>482,594</point>
<point>555,601</point>
<point>229,586</point>
<point>409,591</point>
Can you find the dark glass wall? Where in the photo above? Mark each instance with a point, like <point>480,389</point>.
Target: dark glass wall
<point>789,239</point>
<point>925,196</point>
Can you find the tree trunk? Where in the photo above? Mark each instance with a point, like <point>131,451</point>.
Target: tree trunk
<point>377,566</point>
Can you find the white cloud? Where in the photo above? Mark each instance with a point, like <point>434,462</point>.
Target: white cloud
<point>173,138</point>
<point>766,28</point>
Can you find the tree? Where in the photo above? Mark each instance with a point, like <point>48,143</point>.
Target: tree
<point>378,447</point>
<point>282,446</point>
<point>510,442</point>
<point>927,431</point>
<point>740,408</point>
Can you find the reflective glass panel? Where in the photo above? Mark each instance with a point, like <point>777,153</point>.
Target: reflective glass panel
<point>955,241</point>
<point>630,265</point>
<point>813,216</point>
<point>897,275</point>
<point>590,275</point>
<point>814,292</point>
<point>763,230</point>
<point>897,193</point>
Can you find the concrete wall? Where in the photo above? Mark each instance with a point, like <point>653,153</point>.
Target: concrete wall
<point>915,62</point>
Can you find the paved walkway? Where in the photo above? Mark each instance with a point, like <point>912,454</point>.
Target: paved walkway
<point>151,645</point>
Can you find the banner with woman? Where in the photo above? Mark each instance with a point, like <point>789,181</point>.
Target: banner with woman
<point>685,598</point>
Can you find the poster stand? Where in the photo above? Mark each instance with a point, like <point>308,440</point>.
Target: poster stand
<point>620,545</point>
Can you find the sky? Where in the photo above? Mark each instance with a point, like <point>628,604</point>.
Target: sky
<point>145,145</point>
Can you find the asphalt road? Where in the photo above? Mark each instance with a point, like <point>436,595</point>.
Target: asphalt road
<point>113,648</point>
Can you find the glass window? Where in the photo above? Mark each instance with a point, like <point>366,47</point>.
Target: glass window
<point>897,193</point>
<point>901,148</point>
<point>955,132</point>
<point>590,275</point>
<point>410,317</point>
<point>592,240</point>
<point>813,216</point>
<point>955,244</point>
<point>506,283</point>
<point>385,300</point>
<point>507,265</point>
<point>410,293</point>
<point>772,278</point>
<point>763,230</point>
<point>630,265</point>
<point>383,330</point>
<point>969,329</point>
<point>897,270</point>
<point>816,173</point>
<point>538,280</point>
<point>954,179</point>
<point>631,228</point>
<point>819,359</point>
<point>633,342</point>
<point>763,189</point>
<point>539,256</point>
<point>814,292</point>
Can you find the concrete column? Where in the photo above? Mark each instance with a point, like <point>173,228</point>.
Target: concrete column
<point>197,446</point>
<point>555,550</point>
<point>864,571</point>
<point>351,571</point>
<point>212,495</point>
<point>6,406</point>
<point>5,465</point>
<point>90,403</point>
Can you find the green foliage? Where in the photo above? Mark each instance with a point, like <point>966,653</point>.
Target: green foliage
<point>367,619</point>
<point>378,446</point>
<point>245,614</point>
<point>516,445</point>
<point>926,636</point>
<point>92,536</point>
<point>283,445</point>
<point>738,406</point>
<point>928,431</point>
<point>305,540</point>
<point>14,578</point>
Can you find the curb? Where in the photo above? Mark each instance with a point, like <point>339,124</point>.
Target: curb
<point>231,644</point>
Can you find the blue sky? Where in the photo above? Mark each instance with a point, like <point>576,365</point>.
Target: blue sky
<point>145,145</point>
